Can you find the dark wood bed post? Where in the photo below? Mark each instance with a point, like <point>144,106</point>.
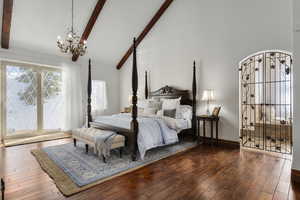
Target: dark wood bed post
<point>134,123</point>
<point>2,187</point>
<point>146,85</point>
<point>194,120</point>
<point>89,100</point>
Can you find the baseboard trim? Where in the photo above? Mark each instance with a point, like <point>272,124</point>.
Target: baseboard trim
<point>230,143</point>
<point>295,175</point>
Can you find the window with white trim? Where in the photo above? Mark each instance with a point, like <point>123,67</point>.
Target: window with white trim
<point>99,98</point>
<point>32,100</point>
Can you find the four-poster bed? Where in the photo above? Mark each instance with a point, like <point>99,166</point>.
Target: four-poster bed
<point>132,132</point>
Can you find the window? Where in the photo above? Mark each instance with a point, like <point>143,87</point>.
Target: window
<point>32,99</point>
<point>99,99</point>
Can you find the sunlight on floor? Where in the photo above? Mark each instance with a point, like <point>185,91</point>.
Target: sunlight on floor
<point>39,138</point>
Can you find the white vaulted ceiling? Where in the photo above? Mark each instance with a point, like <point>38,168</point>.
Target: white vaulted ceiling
<point>37,23</point>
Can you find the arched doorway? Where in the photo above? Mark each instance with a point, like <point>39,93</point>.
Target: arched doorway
<point>266,101</point>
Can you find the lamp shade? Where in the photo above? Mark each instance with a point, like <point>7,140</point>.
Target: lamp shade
<point>208,95</point>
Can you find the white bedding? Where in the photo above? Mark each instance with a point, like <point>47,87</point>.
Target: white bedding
<point>173,123</point>
<point>153,131</point>
<point>177,124</point>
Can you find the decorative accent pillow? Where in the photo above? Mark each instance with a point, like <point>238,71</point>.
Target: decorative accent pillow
<point>149,111</point>
<point>184,112</point>
<point>155,104</point>
<point>169,113</point>
<point>169,104</point>
<point>150,103</point>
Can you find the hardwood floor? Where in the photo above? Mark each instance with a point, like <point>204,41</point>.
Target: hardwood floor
<point>202,173</point>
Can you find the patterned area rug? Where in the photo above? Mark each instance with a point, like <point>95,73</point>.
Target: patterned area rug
<point>73,170</point>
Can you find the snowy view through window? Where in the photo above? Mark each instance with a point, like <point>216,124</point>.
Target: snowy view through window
<point>22,99</point>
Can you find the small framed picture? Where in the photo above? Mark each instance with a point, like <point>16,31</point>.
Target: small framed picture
<point>127,109</point>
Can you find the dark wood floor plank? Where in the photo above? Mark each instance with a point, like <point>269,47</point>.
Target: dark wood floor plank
<point>204,173</point>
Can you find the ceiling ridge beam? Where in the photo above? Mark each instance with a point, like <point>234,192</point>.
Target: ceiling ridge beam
<point>146,30</point>
<point>89,27</point>
<point>6,23</point>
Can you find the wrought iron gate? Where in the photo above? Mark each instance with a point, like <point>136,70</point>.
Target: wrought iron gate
<point>266,101</point>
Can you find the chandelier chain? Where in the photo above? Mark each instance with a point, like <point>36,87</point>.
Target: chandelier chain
<point>72,16</point>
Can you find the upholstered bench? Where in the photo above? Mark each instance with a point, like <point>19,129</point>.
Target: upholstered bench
<point>89,135</point>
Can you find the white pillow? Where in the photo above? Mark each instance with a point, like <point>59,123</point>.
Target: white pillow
<point>170,104</point>
<point>157,99</point>
<point>157,105</point>
<point>184,112</point>
<point>143,103</point>
<point>160,113</point>
<point>149,111</point>
<point>149,103</point>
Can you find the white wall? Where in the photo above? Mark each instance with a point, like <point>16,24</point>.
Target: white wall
<point>217,34</point>
<point>296,46</point>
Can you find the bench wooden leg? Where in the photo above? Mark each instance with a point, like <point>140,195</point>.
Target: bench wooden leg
<point>86,148</point>
<point>74,140</point>
<point>2,188</point>
<point>121,151</point>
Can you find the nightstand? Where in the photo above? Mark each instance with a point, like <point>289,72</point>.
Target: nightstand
<point>211,119</point>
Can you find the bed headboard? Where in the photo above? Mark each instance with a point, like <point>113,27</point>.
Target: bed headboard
<point>168,92</point>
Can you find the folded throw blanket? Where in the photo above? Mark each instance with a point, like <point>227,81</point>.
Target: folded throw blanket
<point>104,142</point>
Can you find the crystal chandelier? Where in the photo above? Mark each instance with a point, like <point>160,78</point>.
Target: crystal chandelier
<point>72,42</point>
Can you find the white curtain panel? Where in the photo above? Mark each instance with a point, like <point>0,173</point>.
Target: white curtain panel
<point>72,90</point>
<point>99,98</point>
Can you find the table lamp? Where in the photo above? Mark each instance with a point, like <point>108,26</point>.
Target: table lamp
<point>208,95</point>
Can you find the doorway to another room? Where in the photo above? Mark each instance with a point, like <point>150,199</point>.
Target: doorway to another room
<point>266,106</point>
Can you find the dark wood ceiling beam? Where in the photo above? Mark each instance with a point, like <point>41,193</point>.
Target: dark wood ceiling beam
<point>89,27</point>
<point>146,30</point>
<point>6,23</point>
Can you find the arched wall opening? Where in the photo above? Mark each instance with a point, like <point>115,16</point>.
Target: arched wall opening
<point>266,101</point>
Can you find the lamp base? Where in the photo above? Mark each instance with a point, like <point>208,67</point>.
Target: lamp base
<point>207,108</point>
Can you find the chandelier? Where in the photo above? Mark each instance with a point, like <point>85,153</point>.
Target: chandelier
<point>72,43</point>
